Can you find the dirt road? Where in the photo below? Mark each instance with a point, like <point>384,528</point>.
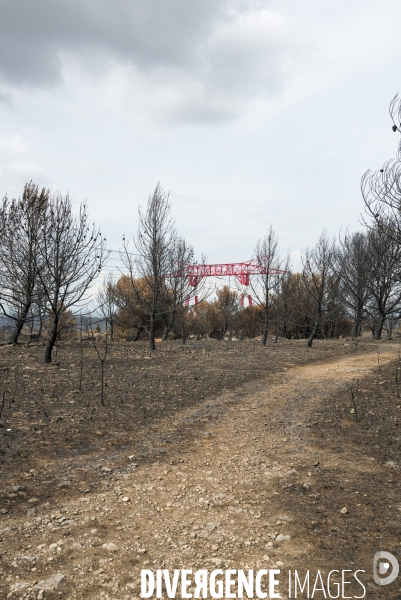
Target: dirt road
<point>268,478</point>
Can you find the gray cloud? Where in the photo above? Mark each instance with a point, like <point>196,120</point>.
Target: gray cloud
<point>147,33</point>
<point>170,60</point>
<point>5,99</point>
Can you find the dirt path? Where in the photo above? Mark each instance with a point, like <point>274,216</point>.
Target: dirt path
<point>260,484</point>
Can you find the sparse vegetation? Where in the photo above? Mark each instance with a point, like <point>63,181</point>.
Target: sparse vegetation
<point>157,378</point>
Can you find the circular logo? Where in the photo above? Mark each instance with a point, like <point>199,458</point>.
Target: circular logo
<point>382,561</point>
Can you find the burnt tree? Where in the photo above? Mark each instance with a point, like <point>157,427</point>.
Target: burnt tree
<point>351,264</point>
<point>21,224</point>
<point>72,253</point>
<point>177,288</point>
<point>264,286</point>
<point>318,269</point>
<point>155,237</point>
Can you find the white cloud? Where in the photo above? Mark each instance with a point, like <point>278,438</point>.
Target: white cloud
<point>16,160</point>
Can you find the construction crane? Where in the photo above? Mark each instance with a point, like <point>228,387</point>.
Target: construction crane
<point>242,271</point>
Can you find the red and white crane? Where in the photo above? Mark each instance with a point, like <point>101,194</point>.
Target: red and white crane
<point>242,271</point>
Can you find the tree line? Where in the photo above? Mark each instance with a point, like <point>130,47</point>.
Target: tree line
<point>50,257</point>
<point>343,287</point>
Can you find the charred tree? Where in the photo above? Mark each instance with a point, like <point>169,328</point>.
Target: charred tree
<point>352,264</point>
<point>383,278</point>
<point>265,286</point>
<point>21,224</point>
<point>106,298</point>
<point>73,254</point>
<point>318,268</point>
<point>177,288</point>
<point>155,237</point>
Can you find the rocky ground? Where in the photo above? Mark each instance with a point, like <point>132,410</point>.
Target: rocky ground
<point>252,459</point>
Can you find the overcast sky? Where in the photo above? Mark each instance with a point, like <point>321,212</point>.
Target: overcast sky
<point>248,112</point>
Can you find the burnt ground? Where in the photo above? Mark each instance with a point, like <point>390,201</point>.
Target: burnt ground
<point>204,457</point>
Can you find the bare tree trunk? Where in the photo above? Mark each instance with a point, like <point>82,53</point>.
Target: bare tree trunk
<point>138,333</point>
<point>52,340</point>
<point>168,326</point>
<point>81,356</point>
<point>40,325</point>
<point>102,384</point>
<point>265,328</point>
<point>378,327</point>
<point>330,331</point>
<point>152,345</point>
<point>313,333</point>
<point>19,324</point>
<point>357,325</point>
<point>355,328</point>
